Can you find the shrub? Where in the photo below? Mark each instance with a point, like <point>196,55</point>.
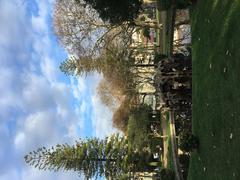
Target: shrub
<point>158,57</point>
<point>167,174</point>
<point>188,142</point>
<point>182,125</point>
<point>137,128</point>
<point>184,160</point>
<point>180,4</point>
<point>183,4</point>
<point>155,144</point>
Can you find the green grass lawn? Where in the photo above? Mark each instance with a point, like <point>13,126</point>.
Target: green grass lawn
<point>216,90</point>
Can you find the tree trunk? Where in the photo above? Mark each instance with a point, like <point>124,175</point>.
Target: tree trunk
<point>148,25</point>
<point>182,23</point>
<point>143,65</point>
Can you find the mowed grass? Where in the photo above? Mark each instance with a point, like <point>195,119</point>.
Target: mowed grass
<point>216,90</point>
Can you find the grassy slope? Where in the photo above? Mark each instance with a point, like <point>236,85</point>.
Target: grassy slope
<point>216,94</point>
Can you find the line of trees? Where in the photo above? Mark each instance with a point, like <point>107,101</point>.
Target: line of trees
<point>100,42</point>
<point>98,36</point>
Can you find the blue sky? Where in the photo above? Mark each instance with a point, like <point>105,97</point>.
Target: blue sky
<point>40,106</point>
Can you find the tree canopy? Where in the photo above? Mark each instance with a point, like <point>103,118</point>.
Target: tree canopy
<point>110,157</point>
<point>115,11</point>
<point>121,114</point>
<point>114,64</point>
<point>82,32</point>
<point>109,95</point>
<point>137,129</point>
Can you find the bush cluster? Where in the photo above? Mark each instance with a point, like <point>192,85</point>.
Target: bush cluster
<point>188,142</point>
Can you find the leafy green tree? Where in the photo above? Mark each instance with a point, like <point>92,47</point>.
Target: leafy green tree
<point>124,13</point>
<point>167,174</point>
<point>140,135</point>
<point>180,4</point>
<point>188,142</point>
<point>115,11</point>
<point>94,157</point>
<point>138,125</point>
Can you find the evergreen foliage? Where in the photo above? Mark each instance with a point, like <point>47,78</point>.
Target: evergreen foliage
<point>85,65</point>
<point>110,157</point>
<point>114,64</point>
<point>115,11</point>
<point>188,142</point>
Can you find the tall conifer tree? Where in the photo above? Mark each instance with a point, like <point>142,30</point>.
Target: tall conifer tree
<point>110,157</point>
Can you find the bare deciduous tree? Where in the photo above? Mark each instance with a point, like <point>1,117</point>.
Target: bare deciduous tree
<point>81,31</point>
<point>109,95</point>
<point>121,114</point>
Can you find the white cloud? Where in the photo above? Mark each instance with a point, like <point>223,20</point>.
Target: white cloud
<point>49,69</point>
<point>34,174</point>
<point>37,107</point>
<point>37,93</point>
<point>101,118</point>
<point>11,174</point>
<point>78,86</point>
<point>19,140</point>
<point>41,129</point>
<point>39,24</point>
<point>11,19</point>
<point>84,89</point>
<point>4,136</point>
<point>7,97</point>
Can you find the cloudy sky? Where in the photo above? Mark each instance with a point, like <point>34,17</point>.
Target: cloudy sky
<point>40,106</point>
